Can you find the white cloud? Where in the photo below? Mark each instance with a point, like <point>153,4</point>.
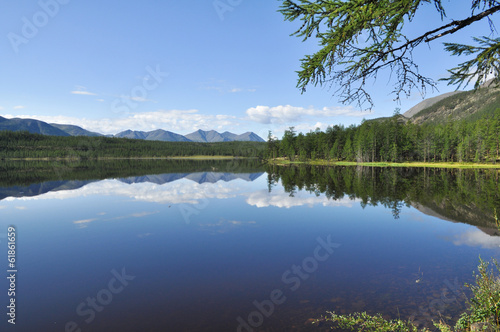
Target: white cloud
<point>224,226</point>
<point>216,88</point>
<point>135,215</point>
<point>477,238</point>
<point>19,107</point>
<point>287,113</point>
<point>143,214</point>
<point>139,99</point>
<point>83,223</point>
<point>81,90</point>
<point>234,90</point>
<point>84,93</point>
<point>306,127</point>
<point>263,198</point>
<point>223,87</point>
<point>277,119</point>
<point>184,121</point>
<point>183,191</point>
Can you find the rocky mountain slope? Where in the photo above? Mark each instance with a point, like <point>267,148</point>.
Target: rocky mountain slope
<point>456,105</point>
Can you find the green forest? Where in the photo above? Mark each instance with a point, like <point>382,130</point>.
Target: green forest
<point>466,195</point>
<point>396,139</point>
<point>27,145</point>
<point>28,172</point>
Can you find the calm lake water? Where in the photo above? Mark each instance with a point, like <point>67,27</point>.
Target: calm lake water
<point>236,246</point>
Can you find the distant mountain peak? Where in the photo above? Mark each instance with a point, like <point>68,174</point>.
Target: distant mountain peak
<point>75,130</point>
<point>32,126</point>
<point>53,129</point>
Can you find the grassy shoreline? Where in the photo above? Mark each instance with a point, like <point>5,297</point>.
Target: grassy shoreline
<point>130,158</point>
<point>283,162</point>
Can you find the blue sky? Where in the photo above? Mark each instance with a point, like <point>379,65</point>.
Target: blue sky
<point>183,65</point>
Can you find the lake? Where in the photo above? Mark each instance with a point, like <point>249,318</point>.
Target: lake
<point>238,246</point>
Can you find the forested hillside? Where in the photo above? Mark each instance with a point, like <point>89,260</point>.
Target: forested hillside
<point>30,125</point>
<point>473,139</point>
<point>26,145</point>
<point>470,105</point>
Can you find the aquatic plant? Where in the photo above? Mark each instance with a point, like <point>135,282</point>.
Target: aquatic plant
<point>483,313</point>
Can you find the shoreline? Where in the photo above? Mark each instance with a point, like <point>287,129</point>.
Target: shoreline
<point>127,158</point>
<point>282,162</point>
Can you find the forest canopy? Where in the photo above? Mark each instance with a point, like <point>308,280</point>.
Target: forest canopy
<point>396,139</point>
<point>27,145</point>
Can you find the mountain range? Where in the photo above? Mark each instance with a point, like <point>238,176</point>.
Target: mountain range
<point>52,129</point>
<point>33,126</point>
<point>197,136</point>
<point>449,106</point>
<point>36,189</point>
<point>199,177</point>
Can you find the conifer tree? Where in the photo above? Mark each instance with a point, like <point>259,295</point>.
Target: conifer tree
<point>359,38</point>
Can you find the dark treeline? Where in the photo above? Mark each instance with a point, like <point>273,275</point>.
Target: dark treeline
<point>26,145</point>
<point>396,139</point>
<point>464,195</point>
<point>23,173</point>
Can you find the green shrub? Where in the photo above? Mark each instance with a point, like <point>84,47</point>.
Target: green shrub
<point>483,313</point>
